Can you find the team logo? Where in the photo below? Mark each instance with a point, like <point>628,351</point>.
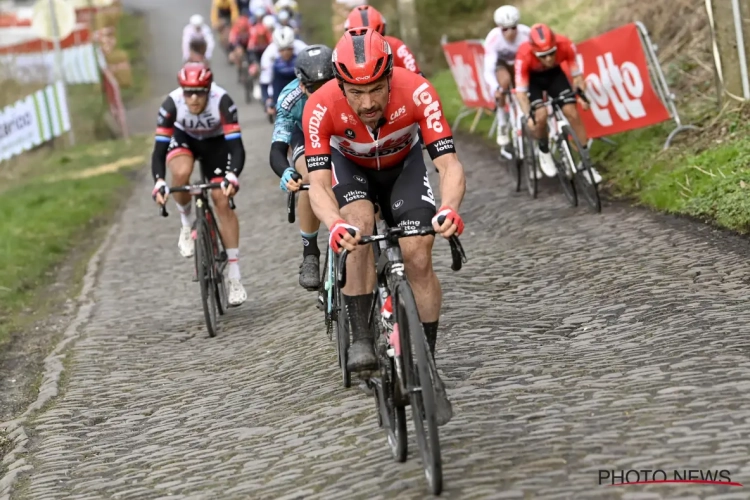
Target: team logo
<point>361,179</point>
<point>344,118</point>
<point>398,204</point>
<point>349,133</point>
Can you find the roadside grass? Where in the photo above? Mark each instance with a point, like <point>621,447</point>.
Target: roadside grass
<point>45,215</point>
<point>132,37</point>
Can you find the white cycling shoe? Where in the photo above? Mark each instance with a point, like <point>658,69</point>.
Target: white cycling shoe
<point>502,136</point>
<point>237,294</point>
<point>547,164</point>
<point>186,244</point>
<point>597,176</point>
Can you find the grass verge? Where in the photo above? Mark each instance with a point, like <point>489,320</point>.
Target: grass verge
<point>46,212</point>
<point>132,37</point>
<point>701,175</point>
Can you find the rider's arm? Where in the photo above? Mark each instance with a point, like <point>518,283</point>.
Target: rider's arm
<point>208,35</point>
<point>282,135</point>
<point>234,9</point>
<point>186,42</point>
<point>232,134</point>
<point>164,130</point>
<point>570,55</point>
<point>266,64</point>
<point>490,60</point>
<point>299,45</point>
<point>522,82</point>
<point>438,137</point>
<point>317,119</point>
<point>214,14</point>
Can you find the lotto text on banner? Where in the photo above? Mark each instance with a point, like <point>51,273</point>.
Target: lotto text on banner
<point>466,61</point>
<point>618,84</point>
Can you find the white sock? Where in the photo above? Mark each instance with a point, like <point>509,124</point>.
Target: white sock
<point>186,214</point>
<point>502,120</point>
<point>233,257</point>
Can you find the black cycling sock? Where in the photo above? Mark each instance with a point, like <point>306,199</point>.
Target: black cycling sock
<point>430,331</point>
<point>358,313</point>
<point>544,145</point>
<point>310,244</point>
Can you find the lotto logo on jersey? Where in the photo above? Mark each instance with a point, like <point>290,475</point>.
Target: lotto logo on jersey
<point>398,113</point>
<point>407,58</point>
<point>432,112</point>
<point>313,125</point>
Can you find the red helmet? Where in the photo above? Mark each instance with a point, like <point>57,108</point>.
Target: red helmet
<point>366,16</point>
<point>242,23</point>
<point>542,40</point>
<point>195,75</point>
<point>362,56</point>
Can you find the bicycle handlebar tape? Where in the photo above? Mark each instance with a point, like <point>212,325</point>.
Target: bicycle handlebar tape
<point>290,207</point>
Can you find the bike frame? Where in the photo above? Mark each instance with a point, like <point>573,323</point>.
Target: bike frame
<point>515,118</point>
<point>556,120</point>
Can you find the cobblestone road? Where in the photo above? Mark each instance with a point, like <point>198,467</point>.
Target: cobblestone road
<point>569,342</point>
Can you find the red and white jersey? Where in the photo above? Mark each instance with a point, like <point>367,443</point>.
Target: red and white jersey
<point>527,62</point>
<point>329,122</point>
<point>402,56</point>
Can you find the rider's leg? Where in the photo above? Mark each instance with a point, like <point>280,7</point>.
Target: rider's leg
<point>308,225</point>
<point>504,79</point>
<point>354,198</point>
<point>180,165</point>
<point>571,113</point>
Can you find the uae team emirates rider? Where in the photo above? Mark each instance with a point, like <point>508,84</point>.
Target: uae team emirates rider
<point>362,147</point>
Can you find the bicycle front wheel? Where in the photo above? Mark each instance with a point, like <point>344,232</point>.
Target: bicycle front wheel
<point>529,163</point>
<point>584,178</point>
<point>415,352</point>
<point>342,332</point>
<point>564,164</point>
<point>205,269</point>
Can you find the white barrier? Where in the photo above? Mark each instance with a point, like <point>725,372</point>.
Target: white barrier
<point>34,120</point>
<point>80,65</point>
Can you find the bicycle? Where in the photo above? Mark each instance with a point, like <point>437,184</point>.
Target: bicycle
<point>245,79</point>
<point>210,255</point>
<point>569,171</point>
<point>514,151</point>
<point>406,367</point>
<point>330,299</point>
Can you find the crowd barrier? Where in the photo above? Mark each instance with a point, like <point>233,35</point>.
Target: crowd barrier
<point>624,80</point>
<point>34,120</point>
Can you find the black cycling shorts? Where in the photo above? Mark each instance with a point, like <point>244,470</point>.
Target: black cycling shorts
<point>225,15</point>
<point>554,81</point>
<point>403,193</point>
<point>212,152</point>
<point>297,144</point>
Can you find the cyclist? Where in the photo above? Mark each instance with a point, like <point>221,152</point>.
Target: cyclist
<point>313,68</point>
<point>361,147</point>
<point>239,37</point>
<point>500,48</point>
<point>223,14</point>
<point>285,19</point>
<point>198,121</point>
<point>538,70</point>
<point>197,29</point>
<point>277,65</point>
<point>260,39</point>
<point>368,16</point>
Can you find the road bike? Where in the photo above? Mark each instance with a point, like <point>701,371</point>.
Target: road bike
<point>210,254</point>
<point>514,152</point>
<point>406,371</point>
<point>573,164</point>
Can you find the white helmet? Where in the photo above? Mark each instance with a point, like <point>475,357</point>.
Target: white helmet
<point>284,37</point>
<point>269,22</point>
<point>507,16</point>
<point>283,15</point>
<point>196,20</point>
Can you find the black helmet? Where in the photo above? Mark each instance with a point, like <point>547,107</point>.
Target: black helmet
<point>314,64</point>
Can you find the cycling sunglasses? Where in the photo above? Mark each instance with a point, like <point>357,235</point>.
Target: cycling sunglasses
<point>190,91</point>
<point>546,53</point>
<point>510,28</point>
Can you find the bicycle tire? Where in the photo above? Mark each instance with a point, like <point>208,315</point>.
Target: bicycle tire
<point>565,159</point>
<point>220,287</point>
<point>584,178</point>
<point>205,276</point>
<point>530,162</point>
<point>513,165</point>
<point>414,344</point>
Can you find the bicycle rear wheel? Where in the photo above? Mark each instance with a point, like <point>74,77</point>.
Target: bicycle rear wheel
<point>529,163</point>
<point>583,178</point>
<point>205,269</point>
<point>564,164</point>
<point>416,369</point>
<point>342,332</point>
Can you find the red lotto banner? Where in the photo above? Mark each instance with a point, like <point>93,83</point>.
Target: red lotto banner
<point>618,84</point>
<point>466,61</point>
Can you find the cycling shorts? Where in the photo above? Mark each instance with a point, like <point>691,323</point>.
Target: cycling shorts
<point>403,193</point>
<point>507,67</point>
<point>297,144</point>
<point>554,82</point>
<point>226,16</point>
<point>212,152</point>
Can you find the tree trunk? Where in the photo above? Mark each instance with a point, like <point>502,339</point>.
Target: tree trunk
<point>407,12</point>
<point>726,40</point>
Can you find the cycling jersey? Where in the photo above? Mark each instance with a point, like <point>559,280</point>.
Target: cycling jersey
<point>287,129</point>
<point>239,37</point>
<point>270,55</point>
<point>224,9</point>
<point>497,49</point>
<point>218,119</point>
<point>329,122</point>
<point>527,63</point>
<point>189,33</point>
<point>402,56</point>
